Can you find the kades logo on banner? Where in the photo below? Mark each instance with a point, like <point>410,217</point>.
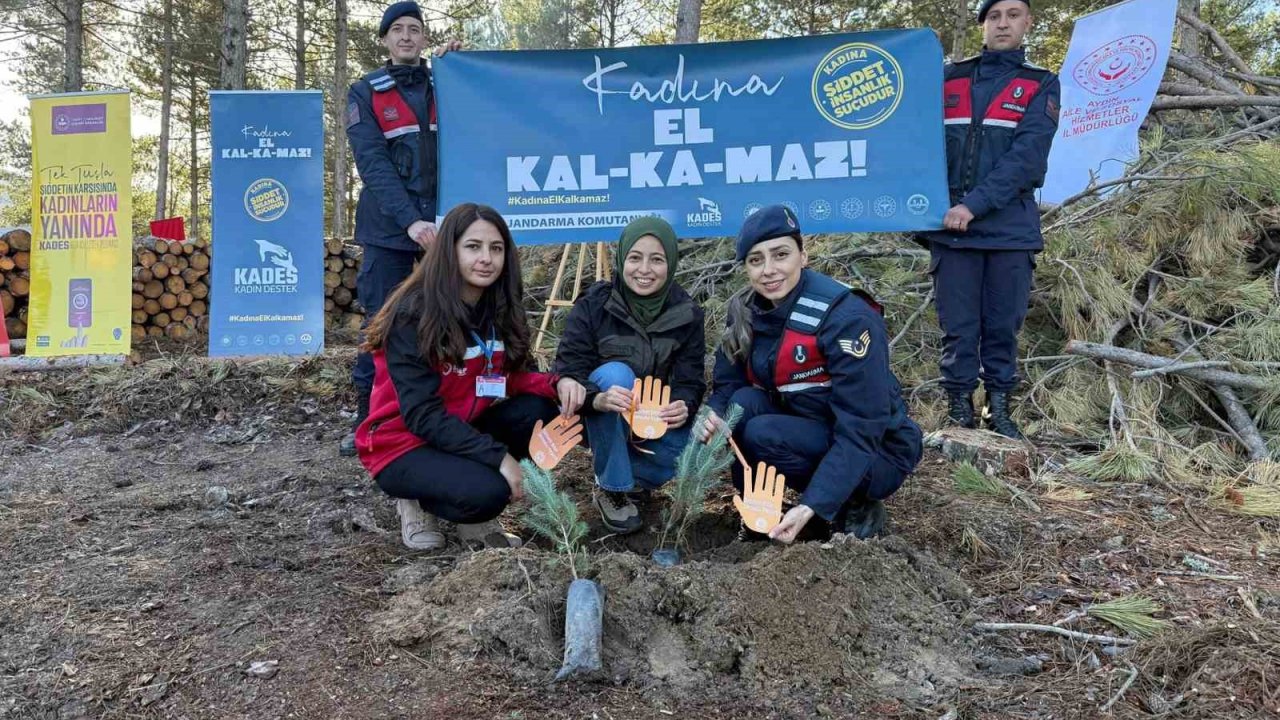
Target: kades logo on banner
<point>276,274</point>
<point>708,215</point>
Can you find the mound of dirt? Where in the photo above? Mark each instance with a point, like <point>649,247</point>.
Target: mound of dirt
<point>872,619</point>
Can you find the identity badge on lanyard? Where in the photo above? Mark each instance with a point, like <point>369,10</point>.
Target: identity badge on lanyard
<point>489,384</point>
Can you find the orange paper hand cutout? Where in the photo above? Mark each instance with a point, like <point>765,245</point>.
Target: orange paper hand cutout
<point>548,445</point>
<point>648,397</point>
<point>762,508</point>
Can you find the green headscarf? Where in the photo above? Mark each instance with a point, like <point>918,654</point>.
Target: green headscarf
<point>647,308</point>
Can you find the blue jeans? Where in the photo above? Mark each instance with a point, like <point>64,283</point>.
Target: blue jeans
<point>619,466</point>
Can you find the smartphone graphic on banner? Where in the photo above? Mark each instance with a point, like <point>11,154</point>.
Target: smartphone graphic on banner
<point>80,303</point>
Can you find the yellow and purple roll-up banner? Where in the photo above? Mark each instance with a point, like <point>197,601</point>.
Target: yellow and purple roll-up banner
<point>81,222</point>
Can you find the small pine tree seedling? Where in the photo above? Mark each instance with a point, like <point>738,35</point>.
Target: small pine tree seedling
<point>698,469</point>
<point>554,515</point>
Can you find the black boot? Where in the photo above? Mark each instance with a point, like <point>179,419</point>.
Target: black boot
<point>960,411</point>
<point>866,520</point>
<point>998,416</point>
<point>347,446</point>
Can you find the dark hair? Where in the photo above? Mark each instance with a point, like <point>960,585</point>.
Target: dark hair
<point>433,295</point>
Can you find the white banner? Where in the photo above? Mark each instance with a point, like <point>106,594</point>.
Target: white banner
<point>1109,78</point>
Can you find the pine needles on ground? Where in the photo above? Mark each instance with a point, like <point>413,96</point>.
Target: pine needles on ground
<point>697,470</point>
<point>1132,614</point>
<point>970,480</point>
<point>1120,462</point>
<point>554,515</point>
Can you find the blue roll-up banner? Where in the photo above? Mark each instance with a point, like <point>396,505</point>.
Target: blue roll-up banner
<point>572,145</point>
<point>267,296</point>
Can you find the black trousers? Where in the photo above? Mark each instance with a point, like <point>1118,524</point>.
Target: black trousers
<point>459,489</point>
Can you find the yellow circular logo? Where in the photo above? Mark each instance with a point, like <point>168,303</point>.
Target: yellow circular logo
<point>857,86</point>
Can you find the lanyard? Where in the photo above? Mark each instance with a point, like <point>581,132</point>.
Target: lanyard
<point>487,348</point>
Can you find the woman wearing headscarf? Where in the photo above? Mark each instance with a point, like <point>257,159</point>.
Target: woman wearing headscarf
<point>640,324</point>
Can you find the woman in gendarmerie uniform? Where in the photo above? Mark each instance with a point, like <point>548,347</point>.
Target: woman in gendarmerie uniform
<point>807,360</point>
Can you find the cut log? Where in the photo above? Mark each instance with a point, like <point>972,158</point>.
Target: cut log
<point>7,302</point>
<point>19,285</point>
<point>138,287</point>
<point>183,263</point>
<point>198,308</point>
<point>177,331</point>
<point>178,313</point>
<point>154,289</point>
<point>22,260</point>
<point>171,260</point>
<point>15,327</point>
<point>349,262</point>
<point>332,279</point>
<point>168,301</point>
<point>329,305</point>
<point>349,278</point>
<point>188,248</point>
<point>146,258</point>
<point>202,324</point>
<point>200,261</point>
<point>342,296</point>
<point>161,319</point>
<point>991,453</point>
<point>4,246</point>
<point>161,246</point>
<point>6,263</point>
<point>333,264</point>
<point>138,301</point>
<point>139,316</point>
<point>199,290</point>
<point>191,275</point>
<point>19,240</point>
<point>333,246</point>
<point>174,284</point>
<point>161,270</point>
<point>138,333</point>
<point>151,306</point>
<point>185,298</point>
<point>155,332</point>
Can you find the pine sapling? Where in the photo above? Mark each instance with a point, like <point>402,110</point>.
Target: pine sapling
<point>697,470</point>
<point>554,515</point>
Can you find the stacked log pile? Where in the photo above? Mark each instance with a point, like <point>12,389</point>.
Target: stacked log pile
<point>341,264</point>
<point>170,289</point>
<point>15,280</point>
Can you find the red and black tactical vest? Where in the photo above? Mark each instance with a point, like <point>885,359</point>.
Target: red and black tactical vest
<point>393,114</point>
<point>800,364</point>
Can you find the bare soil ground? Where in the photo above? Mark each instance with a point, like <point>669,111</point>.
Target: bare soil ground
<point>148,559</point>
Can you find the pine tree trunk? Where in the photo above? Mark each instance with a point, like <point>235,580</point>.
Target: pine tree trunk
<point>1188,38</point>
<point>340,120</point>
<point>688,21</point>
<point>73,43</point>
<point>195,162</point>
<point>234,57</point>
<point>299,45</point>
<point>961,30</point>
<point>166,108</point>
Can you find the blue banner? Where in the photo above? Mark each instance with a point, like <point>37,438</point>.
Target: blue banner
<point>267,296</point>
<point>572,145</point>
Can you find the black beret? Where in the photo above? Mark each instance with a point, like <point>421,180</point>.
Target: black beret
<point>395,11</point>
<point>986,5</point>
<point>768,223</point>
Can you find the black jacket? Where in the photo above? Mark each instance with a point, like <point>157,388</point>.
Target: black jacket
<point>600,329</point>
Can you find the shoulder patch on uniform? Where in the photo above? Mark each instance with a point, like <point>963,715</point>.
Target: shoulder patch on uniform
<point>1033,66</point>
<point>1051,108</point>
<point>857,348</point>
<point>353,113</point>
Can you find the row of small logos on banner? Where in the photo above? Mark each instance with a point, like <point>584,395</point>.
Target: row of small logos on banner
<point>884,206</point>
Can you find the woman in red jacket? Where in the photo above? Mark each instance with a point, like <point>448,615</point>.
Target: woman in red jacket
<point>453,401</point>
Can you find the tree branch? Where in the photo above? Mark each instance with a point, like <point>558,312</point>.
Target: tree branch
<point>1074,635</point>
<point>1141,359</point>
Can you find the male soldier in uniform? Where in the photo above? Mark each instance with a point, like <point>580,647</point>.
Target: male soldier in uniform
<point>1001,115</point>
<point>391,124</point>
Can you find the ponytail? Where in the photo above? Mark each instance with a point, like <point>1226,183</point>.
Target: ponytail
<point>736,340</point>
